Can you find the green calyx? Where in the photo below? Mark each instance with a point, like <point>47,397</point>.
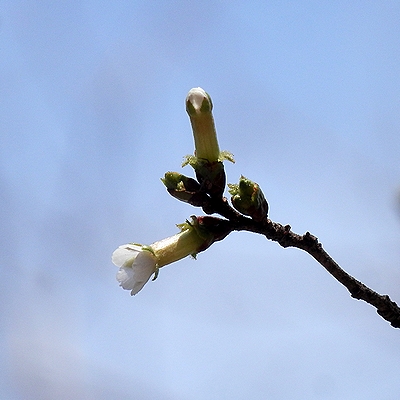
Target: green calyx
<point>193,228</point>
<point>209,229</point>
<point>194,161</point>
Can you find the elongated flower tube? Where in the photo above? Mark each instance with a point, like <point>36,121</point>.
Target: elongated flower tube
<point>137,263</point>
<point>199,108</point>
<point>207,161</point>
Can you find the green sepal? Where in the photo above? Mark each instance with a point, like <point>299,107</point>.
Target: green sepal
<point>192,160</point>
<point>156,273</point>
<point>209,229</point>
<point>145,247</point>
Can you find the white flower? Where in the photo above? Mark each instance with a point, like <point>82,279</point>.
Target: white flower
<point>137,264</point>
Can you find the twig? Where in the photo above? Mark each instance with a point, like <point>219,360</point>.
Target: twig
<point>283,234</point>
<point>247,197</point>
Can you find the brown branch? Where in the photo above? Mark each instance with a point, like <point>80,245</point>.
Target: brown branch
<point>283,234</point>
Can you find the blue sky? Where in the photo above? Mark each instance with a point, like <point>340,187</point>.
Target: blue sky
<point>306,96</point>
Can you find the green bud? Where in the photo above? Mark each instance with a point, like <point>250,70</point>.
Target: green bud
<point>177,181</point>
<point>248,198</point>
<point>184,188</point>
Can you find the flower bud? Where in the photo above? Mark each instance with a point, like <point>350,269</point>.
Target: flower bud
<point>177,181</point>
<point>248,198</point>
<point>199,108</point>
<point>184,188</point>
<point>207,161</point>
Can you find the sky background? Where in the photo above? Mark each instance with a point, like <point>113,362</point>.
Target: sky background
<point>306,96</point>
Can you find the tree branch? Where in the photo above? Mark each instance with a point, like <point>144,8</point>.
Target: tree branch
<point>247,197</point>
<point>283,234</point>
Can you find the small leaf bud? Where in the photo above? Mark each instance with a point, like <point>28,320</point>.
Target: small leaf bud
<point>184,188</point>
<point>248,198</point>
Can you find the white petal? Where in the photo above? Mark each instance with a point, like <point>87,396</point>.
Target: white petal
<point>125,255</point>
<point>125,278</point>
<point>143,268</point>
<point>134,277</point>
<point>196,96</point>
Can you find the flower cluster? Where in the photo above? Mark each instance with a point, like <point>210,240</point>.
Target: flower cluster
<point>138,263</point>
